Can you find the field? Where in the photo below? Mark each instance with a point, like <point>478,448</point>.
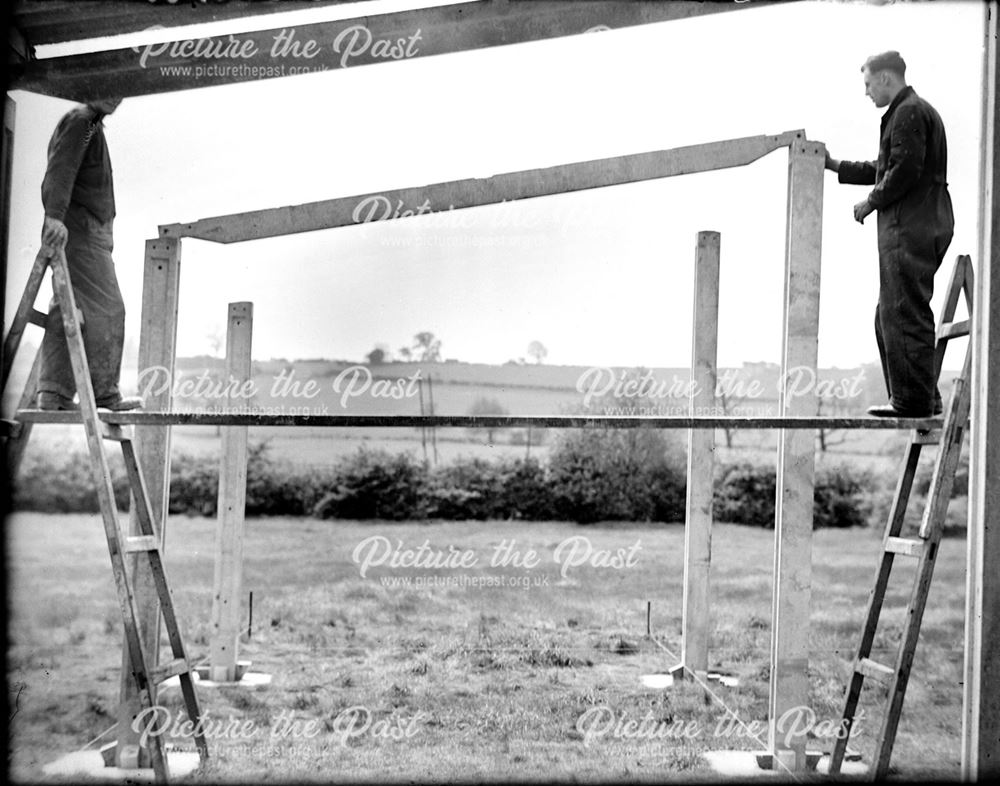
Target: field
<point>455,682</point>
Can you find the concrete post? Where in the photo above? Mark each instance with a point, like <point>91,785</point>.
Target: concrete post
<point>157,348</point>
<point>228,585</point>
<point>701,459</point>
<point>981,718</point>
<point>792,593</point>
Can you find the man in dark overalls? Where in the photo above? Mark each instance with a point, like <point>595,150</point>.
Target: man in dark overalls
<point>915,225</point>
<point>79,200</point>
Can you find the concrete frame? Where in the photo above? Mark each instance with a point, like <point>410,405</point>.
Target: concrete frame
<point>981,738</point>
<point>790,629</point>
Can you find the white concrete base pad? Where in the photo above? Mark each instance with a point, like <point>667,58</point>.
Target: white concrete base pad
<point>89,764</point>
<point>856,768</point>
<point>252,680</point>
<point>664,681</point>
<point>743,764</point>
<point>657,680</point>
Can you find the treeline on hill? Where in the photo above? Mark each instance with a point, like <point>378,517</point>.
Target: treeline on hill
<point>591,476</point>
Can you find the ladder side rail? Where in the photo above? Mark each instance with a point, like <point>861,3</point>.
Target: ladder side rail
<point>946,463</point>
<point>958,281</point>
<point>939,495</point>
<point>106,496</point>
<point>21,317</point>
<point>147,527</point>
<point>949,451</point>
<point>876,597</point>
<point>15,446</point>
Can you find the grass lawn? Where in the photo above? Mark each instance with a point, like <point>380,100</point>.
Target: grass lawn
<point>467,682</point>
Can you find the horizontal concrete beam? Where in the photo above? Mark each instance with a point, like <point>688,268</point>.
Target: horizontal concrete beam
<point>142,418</point>
<point>442,197</point>
<point>58,21</point>
<point>323,46</point>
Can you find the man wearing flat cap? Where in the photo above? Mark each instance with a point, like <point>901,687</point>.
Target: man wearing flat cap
<point>915,225</point>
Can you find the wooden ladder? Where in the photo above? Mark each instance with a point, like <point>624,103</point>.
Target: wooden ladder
<point>147,543</point>
<point>923,548</point>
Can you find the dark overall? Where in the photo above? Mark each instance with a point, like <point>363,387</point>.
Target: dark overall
<point>915,225</point>
<point>78,190</point>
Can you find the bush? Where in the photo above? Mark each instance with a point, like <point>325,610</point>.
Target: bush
<point>61,481</point>
<point>620,474</point>
<point>593,475</point>
<point>279,488</point>
<point>745,493</point>
<point>501,489</point>
<point>194,484</point>
<point>467,489</point>
<point>274,488</point>
<point>372,484</point>
<point>527,491</point>
<point>843,497</point>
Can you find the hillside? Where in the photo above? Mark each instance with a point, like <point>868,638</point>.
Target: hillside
<point>332,386</point>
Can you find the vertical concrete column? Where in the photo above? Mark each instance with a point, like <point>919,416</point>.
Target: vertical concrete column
<point>701,458</point>
<point>792,593</point>
<point>229,534</point>
<point>981,718</point>
<point>157,350</point>
<point>6,166</point>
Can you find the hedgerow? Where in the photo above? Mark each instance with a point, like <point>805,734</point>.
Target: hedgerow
<point>591,476</point>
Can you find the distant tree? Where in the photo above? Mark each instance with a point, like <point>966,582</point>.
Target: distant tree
<point>426,347</point>
<point>405,353</point>
<point>725,402</point>
<point>376,357</point>
<point>484,405</point>
<point>827,438</point>
<point>537,351</point>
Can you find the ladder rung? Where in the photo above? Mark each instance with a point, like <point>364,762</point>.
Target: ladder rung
<point>932,437</point>
<point>907,546</point>
<point>170,669</point>
<point>139,543</point>
<point>877,671</point>
<point>36,317</point>
<point>953,330</point>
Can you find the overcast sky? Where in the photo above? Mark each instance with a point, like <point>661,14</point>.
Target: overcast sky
<point>600,277</point>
